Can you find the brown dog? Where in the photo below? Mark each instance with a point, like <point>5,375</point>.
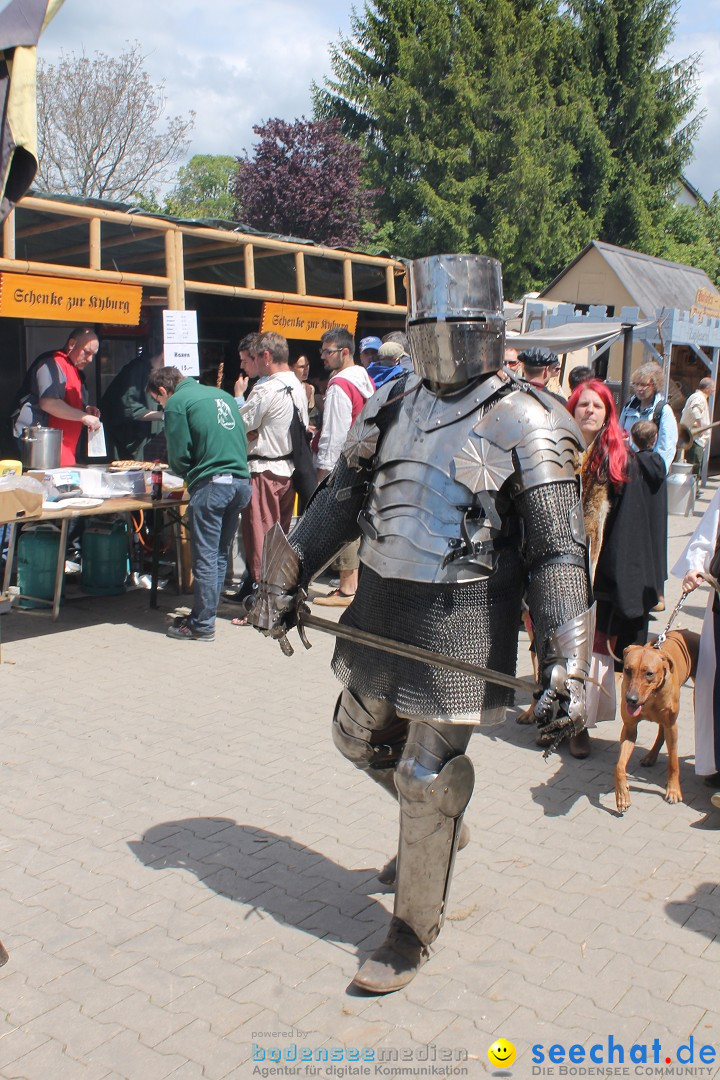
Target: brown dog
<point>652,677</point>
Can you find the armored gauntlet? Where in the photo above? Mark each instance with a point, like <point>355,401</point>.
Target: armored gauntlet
<point>560,708</point>
<point>274,607</point>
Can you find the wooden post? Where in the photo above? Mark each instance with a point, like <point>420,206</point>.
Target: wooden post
<point>627,330</point>
<point>347,279</point>
<point>95,245</point>
<point>180,270</point>
<point>248,253</point>
<point>300,273</point>
<point>711,408</point>
<point>390,284</point>
<point>9,236</point>
<point>170,271</point>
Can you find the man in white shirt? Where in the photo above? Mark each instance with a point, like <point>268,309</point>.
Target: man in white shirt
<point>267,414</point>
<point>696,415</point>
<point>348,389</point>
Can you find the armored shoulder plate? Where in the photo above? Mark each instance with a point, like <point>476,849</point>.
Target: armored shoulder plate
<point>539,434</point>
<point>362,439</point>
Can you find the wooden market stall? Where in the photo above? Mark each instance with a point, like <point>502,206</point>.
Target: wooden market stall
<point>68,260</point>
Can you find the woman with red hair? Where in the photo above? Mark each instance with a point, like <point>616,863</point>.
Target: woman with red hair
<point>617,521</point>
<point>605,464</point>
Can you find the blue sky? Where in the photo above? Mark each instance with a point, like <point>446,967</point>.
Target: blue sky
<point>237,62</point>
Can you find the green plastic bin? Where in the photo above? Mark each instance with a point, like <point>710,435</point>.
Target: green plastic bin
<point>37,555</point>
<point>105,564</point>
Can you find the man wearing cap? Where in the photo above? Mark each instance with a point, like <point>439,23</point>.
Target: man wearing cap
<point>369,349</point>
<point>399,337</point>
<point>540,366</point>
<point>387,366</point>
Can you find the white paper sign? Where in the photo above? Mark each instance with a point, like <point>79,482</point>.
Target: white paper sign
<point>184,357</point>
<point>96,443</point>
<point>180,327</point>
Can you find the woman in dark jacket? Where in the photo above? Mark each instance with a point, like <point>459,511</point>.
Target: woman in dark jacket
<point>617,520</point>
<point>619,529</point>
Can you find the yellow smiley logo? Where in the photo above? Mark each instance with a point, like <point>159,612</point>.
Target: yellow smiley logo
<point>501,1054</point>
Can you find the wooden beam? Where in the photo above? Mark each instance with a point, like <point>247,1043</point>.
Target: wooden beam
<point>72,210</point>
<point>114,242</point>
<point>80,273</point>
<point>226,236</point>
<point>48,226</point>
<point>211,288</point>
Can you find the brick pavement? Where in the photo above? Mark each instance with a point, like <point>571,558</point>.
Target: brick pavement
<point>188,866</point>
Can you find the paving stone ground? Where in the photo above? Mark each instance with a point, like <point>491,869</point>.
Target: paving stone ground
<point>187,874</point>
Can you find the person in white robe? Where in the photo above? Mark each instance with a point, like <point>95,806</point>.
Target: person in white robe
<point>702,555</point>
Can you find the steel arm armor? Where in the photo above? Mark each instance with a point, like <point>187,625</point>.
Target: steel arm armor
<point>559,597</point>
<point>330,519</point>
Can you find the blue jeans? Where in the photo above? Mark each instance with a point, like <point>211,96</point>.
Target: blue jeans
<point>213,513</point>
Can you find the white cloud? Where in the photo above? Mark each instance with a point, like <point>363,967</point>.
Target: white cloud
<point>235,63</point>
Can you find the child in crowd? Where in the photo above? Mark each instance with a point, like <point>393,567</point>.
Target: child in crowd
<point>644,435</point>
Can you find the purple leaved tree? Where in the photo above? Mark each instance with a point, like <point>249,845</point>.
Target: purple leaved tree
<point>303,180</point>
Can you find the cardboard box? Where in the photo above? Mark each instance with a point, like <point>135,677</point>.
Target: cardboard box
<point>18,504</point>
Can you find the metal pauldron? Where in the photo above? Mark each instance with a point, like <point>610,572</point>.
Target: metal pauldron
<point>540,433</point>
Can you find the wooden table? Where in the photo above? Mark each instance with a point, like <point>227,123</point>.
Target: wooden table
<point>123,505</point>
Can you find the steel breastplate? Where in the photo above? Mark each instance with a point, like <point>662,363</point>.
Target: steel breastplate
<point>420,521</point>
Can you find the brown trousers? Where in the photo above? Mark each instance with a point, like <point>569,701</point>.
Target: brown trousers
<point>273,498</point>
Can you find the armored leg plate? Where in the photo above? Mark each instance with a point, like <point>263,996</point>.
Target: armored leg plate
<point>435,780</point>
<point>370,734</point>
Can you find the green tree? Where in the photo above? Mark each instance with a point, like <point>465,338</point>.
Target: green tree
<point>203,188</point>
<point>691,235</point>
<point>474,129</point>
<point>644,108</point>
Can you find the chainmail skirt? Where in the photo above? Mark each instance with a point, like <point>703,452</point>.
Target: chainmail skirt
<point>476,622</point>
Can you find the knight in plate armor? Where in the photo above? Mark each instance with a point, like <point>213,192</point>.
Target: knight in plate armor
<point>462,486</point>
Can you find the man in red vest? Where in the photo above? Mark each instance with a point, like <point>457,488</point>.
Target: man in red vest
<point>348,389</point>
<point>54,392</point>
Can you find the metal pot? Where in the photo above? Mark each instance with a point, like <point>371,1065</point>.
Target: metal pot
<point>40,447</point>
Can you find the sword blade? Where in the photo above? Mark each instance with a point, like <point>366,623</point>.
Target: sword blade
<point>415,652</point>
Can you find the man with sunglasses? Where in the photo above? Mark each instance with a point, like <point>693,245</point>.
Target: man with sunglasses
<point>348,389</point>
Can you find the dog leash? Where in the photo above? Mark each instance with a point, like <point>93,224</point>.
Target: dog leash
<point>673,617</point>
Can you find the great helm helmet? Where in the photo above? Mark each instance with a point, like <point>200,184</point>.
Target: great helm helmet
<point>455,322</point>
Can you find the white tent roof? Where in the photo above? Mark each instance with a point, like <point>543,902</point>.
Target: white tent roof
<point>570,336</point>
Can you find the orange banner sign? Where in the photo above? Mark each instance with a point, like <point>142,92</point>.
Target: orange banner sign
<point>29,296</point>
<point>304,321</point>
<point>707,303</point>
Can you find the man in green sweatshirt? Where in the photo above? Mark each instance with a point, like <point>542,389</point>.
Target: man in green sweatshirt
<point>207,446</point>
